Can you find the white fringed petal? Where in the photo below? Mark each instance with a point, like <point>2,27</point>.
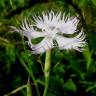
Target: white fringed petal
<point>51,26</point>
<point>69,26</point>
<point>54,20</point>
<point>42,47</point>
<point>76,42</point>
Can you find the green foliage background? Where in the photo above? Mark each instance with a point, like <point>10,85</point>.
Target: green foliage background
<point>72,73</point>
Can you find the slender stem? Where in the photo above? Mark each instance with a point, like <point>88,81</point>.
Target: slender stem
<point>28,68</point>
<point>29,92</point>
<point>47,70</point>
<point>30,72</point>
<point>16,90</point>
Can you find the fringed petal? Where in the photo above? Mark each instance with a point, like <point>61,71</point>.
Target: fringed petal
<point>78,42</point>
<point>42,47</point>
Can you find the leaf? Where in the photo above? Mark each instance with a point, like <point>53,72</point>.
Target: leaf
<point>70,85</point>
<point>90,88</point>
<point>94,2</point>
<point>88,57</point>
<point>11,57</point>
<point>82,3</point>
<point>4,42</point>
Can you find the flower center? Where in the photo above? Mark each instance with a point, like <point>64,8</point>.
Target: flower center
<point>51,33</point>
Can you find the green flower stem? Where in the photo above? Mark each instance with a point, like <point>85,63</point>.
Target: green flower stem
<point>47,70</point>
<point>29,92</point>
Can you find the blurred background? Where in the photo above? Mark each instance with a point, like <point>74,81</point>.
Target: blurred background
<point>72,73</point>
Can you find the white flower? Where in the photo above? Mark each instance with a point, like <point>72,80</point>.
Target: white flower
<point>52,28</point>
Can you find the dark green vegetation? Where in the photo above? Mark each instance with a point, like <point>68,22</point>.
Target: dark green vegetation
<point>72,73</point>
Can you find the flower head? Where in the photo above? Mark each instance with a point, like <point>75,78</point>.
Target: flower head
<point>52,28</point>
